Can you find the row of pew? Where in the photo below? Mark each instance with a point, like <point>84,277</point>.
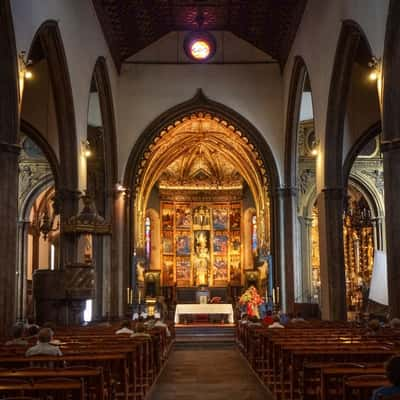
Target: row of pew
<point>318,361</point>
<point>96,364</point>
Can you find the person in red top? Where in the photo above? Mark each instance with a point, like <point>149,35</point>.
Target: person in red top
<point>268,320</point>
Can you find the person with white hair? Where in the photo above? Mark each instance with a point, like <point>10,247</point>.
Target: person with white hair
<point>395,323</point>
<point>43,347</point>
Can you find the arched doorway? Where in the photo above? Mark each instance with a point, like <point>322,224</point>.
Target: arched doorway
<point>38,218</point>
<point>200,167</point>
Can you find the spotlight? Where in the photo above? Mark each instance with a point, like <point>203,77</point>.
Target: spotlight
<point>314,152</point>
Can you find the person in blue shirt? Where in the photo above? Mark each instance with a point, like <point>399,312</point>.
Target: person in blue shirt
<point>392,368</point>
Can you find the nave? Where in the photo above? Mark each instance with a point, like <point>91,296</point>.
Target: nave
<point>207,371</point>
<point>309,360</point>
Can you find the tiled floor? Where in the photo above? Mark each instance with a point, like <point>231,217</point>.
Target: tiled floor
<point>207,373</point>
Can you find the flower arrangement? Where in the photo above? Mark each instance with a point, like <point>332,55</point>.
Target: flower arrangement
<point>251,299</point>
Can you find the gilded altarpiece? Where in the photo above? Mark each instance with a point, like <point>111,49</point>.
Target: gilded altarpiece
<point>201,243</point>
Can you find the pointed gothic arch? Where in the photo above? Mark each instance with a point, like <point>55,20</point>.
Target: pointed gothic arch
<point>48,36</point>
<point>234,122</point>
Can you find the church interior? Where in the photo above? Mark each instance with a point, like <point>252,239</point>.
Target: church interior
<point>196,172</point>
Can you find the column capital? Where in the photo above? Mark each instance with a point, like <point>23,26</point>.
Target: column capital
<point>285,191</point>
<point>10,148</point>
<point>390,145</point>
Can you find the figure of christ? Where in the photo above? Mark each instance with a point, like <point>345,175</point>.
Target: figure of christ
<point>201,259</point>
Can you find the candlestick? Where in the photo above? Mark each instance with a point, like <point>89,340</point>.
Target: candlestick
<point>273,295</point>
<point>277,295</point>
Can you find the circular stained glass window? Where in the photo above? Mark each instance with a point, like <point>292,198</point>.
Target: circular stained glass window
<point>199,46</point>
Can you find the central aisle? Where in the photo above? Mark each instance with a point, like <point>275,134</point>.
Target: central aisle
<point>207,373</point>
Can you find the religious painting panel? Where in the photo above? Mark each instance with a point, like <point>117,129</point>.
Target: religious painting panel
<point>220,219</point>
<point>235,270</point>
<point>183,217</point>
<point>183,247</point>
<point>220,243</point>
<point>183,273</point>
<point>167,242</point>
<point>235,243</point>
<point>234,217</point>
<point>168,270</point>
<point>201,218</point>
<point>167,217</point>
<point>220,270</point>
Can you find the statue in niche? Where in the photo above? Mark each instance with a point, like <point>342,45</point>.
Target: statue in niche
<point>201,259</point>
<point>140,268</point>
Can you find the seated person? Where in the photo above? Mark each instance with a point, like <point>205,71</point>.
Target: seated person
<point>254,321</point>
<point>392,368</point>
<point>298,318</point>
<point>149,324</point>
<point>33,332</point>
<point>140,331</point>
<point>43,347</point>
<point>125,328</point>
<point>268,319</point>
<point>395,323</point>
<point>275,323</point>
<point>18,331</point>
<point>159,323</point>
<point>374,328</point>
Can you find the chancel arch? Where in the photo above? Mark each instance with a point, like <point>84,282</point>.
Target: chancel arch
<point>205,164</point>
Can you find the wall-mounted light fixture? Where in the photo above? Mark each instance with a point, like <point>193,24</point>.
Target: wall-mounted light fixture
<point>120,188</point>
<point>375,65</point>
<point>86,150</point>
<point>25,66</point>
<point>315,147</point>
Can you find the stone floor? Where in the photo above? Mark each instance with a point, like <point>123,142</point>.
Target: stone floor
<point>207,373</point>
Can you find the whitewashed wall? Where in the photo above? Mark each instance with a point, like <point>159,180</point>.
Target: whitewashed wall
<point>146,91</point>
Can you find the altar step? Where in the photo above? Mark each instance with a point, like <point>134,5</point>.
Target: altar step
<point>205,333</point>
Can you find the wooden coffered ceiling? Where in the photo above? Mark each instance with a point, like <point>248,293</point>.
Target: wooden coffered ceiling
<point>131,25</point>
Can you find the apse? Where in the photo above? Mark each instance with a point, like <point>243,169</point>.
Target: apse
<point>202,209</point>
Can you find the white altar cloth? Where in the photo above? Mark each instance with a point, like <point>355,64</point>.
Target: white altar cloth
<point>204,309</point>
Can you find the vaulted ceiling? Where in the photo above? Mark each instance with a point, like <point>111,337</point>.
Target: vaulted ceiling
<point>131,25</point>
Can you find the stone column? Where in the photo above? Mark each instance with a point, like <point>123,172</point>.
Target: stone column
<point>305,262</point>
<point>391,169</point>
<point>22,263</point>
<point>8,234</point>
<point>121,263</point>
<point>66,204</point>
<point>390,146</point>
<point>284,245</point>
<point>379,240</point>
<point>333,285</point>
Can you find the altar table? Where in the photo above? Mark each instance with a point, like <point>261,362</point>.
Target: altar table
<point>204,309</point>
